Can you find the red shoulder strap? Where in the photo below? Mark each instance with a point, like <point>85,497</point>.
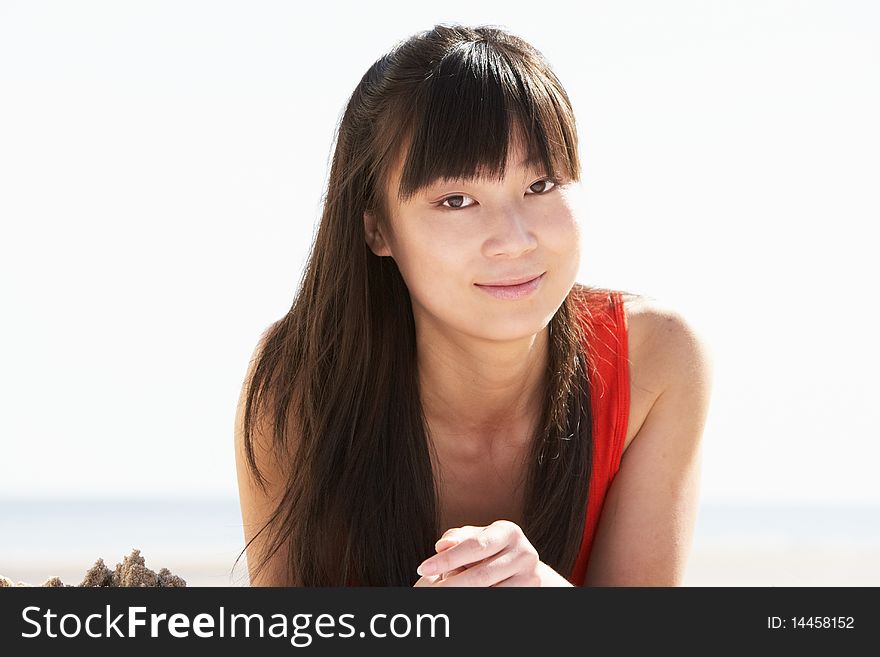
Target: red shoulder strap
<point>604,322</point>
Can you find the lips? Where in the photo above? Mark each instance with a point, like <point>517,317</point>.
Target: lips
<point>515,292</point>
<point>507,282</point>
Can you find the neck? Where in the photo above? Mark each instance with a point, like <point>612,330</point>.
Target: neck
<point>477,392</point>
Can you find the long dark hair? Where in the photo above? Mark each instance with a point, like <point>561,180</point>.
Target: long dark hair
<point>360,504</point>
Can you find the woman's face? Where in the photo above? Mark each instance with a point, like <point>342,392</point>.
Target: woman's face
<point>456,236</point>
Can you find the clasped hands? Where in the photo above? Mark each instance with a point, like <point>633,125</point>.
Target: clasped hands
<point>496,555</point>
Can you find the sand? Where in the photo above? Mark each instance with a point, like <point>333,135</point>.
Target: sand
<point>132,572</point>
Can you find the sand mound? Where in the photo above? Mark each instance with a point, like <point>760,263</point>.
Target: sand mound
<point>131,572</point>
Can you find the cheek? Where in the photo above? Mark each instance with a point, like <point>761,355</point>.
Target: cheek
<point>571,210</point>
<point>433,260</point>
<point>561,239</point>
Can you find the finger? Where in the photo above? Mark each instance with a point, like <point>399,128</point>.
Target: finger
<point>455,535</point>
<point>427,580</point>
<point>489,572</point>
<point>476,547</point>
<point>450,573</point>
<point>450,538</point>
<point>445,544</point>
<point>444,575</point>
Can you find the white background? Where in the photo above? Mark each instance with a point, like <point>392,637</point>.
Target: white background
<point>161,172</point>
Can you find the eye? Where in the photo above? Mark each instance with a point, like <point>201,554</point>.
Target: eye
<point>544,181</point>
<point>455,200</point>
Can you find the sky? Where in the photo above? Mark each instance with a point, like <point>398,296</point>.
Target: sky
<point>162,166</point>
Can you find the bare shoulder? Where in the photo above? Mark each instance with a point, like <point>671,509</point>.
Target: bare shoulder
<point>655,492</point>
<point>665,349</point>
<point>664,338</point>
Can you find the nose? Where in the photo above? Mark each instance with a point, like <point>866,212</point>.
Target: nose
<point>510,235</point>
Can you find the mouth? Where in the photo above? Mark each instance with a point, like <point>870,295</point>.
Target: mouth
<point>514,289</point>
<point>511,282</point>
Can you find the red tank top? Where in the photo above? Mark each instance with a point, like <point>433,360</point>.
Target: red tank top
<point>604,321</point>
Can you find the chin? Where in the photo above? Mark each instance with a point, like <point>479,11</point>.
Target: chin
<point>514,323</point>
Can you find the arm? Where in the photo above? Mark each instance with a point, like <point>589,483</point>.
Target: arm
<point>257,505</point>
<point>646,528</point>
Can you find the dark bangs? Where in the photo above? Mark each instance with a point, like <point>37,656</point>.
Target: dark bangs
<point>477,100</point>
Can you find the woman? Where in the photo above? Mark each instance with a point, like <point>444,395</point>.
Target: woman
<point>444,405</point>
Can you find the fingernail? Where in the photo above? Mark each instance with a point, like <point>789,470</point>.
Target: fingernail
<point>426,569</point>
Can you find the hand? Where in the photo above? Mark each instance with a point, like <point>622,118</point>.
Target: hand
<point>437,580</point>
<point>430,580</point>
<point>496,555</point>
